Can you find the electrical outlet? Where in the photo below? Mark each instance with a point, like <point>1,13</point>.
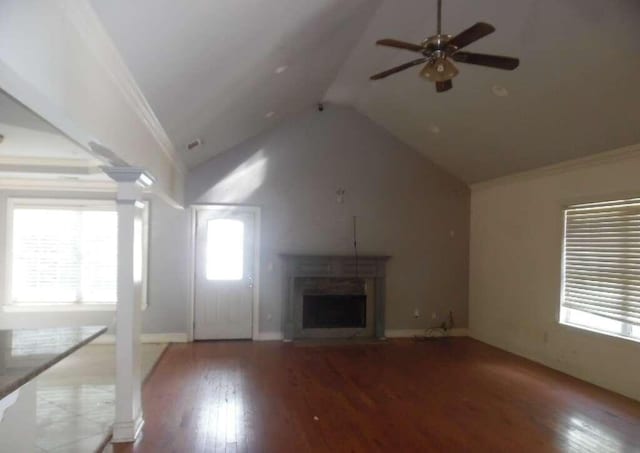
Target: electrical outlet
<point>269,316</point>
<point>434,315</point>
<point>416,313</point>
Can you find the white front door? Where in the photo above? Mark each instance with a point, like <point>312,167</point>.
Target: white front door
<point>224,273</point>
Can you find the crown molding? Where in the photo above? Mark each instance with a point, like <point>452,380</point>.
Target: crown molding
<point>50,169</point>
<point>594,160</point>
<point>83,17</point>
<point>52,185</point>
<point>49,162</point>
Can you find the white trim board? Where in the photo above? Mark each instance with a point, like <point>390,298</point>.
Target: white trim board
<point>389,333</point>
<point>269,336</point>
<point>191,269</point>
<point>409,333</point>
<point>146,338</point>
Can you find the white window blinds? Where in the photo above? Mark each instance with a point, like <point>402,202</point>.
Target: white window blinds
<point>64,254</point>
<point>602,260</point>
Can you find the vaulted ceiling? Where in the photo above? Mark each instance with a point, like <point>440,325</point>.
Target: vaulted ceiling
<point>224,71</point>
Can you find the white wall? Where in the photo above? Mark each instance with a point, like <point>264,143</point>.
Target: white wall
<point>406,207</point>
<point>515,264</point>
<point>168,278</point>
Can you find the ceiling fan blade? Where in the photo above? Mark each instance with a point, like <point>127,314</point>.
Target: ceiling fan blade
<point>493,61</point>
<point>472,34</point>
<point>400,45</point>
<point>402,67</point>
<point>444,86</point>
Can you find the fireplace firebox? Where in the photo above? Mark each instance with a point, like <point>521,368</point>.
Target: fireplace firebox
<point>334,311</point>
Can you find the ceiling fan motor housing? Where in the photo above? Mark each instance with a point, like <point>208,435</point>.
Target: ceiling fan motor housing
<point>436,43</point>
<point>438,68</point>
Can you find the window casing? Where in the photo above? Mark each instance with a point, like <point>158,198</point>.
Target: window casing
<point>62,254</point>
<point>601,268</point>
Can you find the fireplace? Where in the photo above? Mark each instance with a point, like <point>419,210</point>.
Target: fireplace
<point>334,296</point>
<point>331,311</point>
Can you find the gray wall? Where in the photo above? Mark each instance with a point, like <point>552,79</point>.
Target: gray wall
<point>406,207</point>
<point>169,244</point>
<point>168,259</point>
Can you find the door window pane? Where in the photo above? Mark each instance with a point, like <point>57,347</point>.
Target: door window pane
<point>225,249</point>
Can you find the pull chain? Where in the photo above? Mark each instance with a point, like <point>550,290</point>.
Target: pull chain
<point>355,244</point>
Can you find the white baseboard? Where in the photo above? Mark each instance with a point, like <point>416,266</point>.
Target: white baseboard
<point>266,336</point>
<point>147,338</point>
<point>408,333</point>
<point>390,333</point>
<point>269,336</point>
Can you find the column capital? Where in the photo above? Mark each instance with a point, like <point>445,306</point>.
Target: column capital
<point>131,181</point>
<point>135,175</point>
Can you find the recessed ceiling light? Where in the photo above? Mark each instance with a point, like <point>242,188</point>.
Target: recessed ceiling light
<point>434,128</point>
<point>270,114</point>
<point>281,69</point>
<point>500,91</point>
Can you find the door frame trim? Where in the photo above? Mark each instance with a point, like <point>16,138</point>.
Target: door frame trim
<point>193,215</point>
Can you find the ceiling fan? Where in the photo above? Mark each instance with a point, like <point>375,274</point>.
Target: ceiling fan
<point>438,51</point>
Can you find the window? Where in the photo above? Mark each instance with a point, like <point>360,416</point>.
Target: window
<point>225,248</point>
<point>601,268</point>
<point>63,253</point>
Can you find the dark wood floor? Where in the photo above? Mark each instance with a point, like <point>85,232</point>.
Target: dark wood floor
<point>404,396</point>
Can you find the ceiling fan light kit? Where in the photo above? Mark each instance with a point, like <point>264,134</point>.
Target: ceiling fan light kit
<point>439,70</point>
<point>439,50</point>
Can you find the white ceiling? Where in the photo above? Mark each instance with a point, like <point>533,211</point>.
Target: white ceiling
<point>209,71</point>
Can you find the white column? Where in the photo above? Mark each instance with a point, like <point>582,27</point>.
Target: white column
<point>131,183</point>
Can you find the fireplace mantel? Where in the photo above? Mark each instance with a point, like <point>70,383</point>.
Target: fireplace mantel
<point>368,267</point>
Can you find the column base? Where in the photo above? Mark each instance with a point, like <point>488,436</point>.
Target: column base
<point>127,431</point>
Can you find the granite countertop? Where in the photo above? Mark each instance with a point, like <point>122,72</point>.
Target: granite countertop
<point>25,353</point>
<point>363,256</point>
